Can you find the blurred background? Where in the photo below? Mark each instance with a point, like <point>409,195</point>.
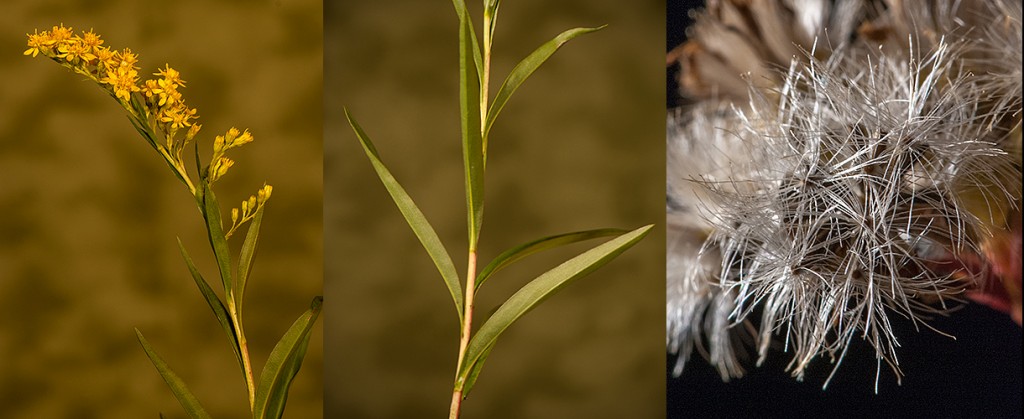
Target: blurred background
<point>579,146</point>
<point>90,212</point>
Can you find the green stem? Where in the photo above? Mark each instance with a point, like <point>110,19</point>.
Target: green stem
<point>178,168</point>
<point>467,325</point>
<point>243,348</point>
<point>485,81</point>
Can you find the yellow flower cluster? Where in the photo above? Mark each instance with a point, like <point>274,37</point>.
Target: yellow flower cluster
<point>165,102</point>
<point>249,208</point>
<point>157,106</point>
<point>118,73</point>
<point>86,55</point>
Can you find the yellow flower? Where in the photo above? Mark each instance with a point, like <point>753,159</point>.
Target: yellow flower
<point>75,51</point>
<point>264,194</point>
<point>235,138</point>
<point>161,93</point>
<point>220,168</point>
<point>35,42</point>
<point>192,132</point>
<point>151,89</point>
<point>105,57</point>
<point>60,34</point>
<point>122,80</point>
<point>170,75</point>
<point>245,138</point>
<point>91,39</point>
<point>179,117</point>
<point>127,59</point>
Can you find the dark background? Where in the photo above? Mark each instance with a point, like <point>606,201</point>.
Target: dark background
<point>978,375</point>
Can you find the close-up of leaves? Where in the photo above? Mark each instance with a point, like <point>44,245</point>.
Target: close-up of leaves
<point>477,115</point>
<point>842,175</point>
<point>549,127</point>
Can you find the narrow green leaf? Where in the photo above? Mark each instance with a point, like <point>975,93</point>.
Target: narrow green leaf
<point>526,67</point>
<point>247,256</point>
<point>460,9</point>
<point>211,212</point>
<point>472,142</point>
<point>533,293</point>
<point>181,392</point>
<point>140,126</point>
<point>512,255</point>
<point>491,9</point>
<point>418,223</point>
<point>284,362</point>
<point>475,371</point>
<point>200,170</point>
<point>215,304</point>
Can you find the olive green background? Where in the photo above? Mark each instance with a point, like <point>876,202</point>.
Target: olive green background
<point>580,146</point>
<point>90,212</point>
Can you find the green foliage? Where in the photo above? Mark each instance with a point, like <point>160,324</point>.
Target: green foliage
<point>284,363</point>
<point>526,67</point>
<point>477,115</point>
<point>178,387</point>
<point>418,223</point>
<point>532,294</point>
<point>168,137</point>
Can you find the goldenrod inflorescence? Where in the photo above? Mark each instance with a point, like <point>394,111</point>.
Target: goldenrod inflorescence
<point>158,112</point>
<point>156,106</point>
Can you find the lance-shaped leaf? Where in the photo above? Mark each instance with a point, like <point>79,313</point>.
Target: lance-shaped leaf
<point>200,171</point>
<point>284,362</point>
<point>247,256</point>
<point>211,212</point>
<point>181,392</point>
<point>491,10</point>
<point>533,293</point>
<point>472,142</point>
<point>141,125</point>
<point>512,255</point>
<point>525,68</point>
<point>215,304</point>
<point>418,223</point>
<point>474,372</point>
<point>460,9</point>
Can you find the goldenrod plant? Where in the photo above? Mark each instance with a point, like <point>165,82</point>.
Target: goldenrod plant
<point>841,165</point>
<point>158,112</point>
<point>479,109</point>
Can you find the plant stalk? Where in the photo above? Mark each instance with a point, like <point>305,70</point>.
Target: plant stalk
<point>178,168</point>
<point>243,349</point>
<point>467,328</point>
<point>485,80</point>
<point>467,325</point>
